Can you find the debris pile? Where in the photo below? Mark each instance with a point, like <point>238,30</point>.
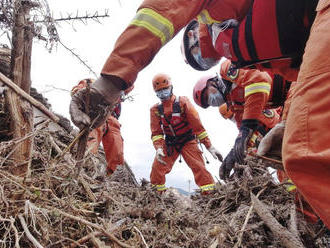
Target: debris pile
<point>56,207</point>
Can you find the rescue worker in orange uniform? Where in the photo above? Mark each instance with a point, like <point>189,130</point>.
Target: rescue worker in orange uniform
<point>157,22</point>
<point>108,133</point>
<point>246,90</point>
<point>177,120</point>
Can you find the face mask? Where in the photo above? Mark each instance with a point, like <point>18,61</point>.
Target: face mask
<point>215,99</point>
<point>164,94</point>
<point>205,63</point>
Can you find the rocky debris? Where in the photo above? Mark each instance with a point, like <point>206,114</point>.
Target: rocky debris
<point>55,207</point>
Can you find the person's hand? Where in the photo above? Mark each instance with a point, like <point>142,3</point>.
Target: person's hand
<point>227,165</point>
<point>215,153</point>
<point>272,140</point>
<point>241,142</point>
<point>100,98</point>
<point>160,155</point>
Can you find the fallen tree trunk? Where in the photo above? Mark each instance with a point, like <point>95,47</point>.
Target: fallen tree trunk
<point>288,239</point>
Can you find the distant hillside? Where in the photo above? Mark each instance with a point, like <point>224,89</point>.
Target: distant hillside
<point>181,191</point>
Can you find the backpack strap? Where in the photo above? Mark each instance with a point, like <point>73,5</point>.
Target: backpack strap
<point>176,106</point>
<point>160,108</point>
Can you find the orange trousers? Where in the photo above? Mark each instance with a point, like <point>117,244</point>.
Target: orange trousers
<point>306,143</point>
<point>109,134</point>
<point>301,204</point>
<point>192,155</point>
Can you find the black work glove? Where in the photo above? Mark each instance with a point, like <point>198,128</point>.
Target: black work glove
<point>101,98</point>
<point>245,133</point>
<point>227,165</point>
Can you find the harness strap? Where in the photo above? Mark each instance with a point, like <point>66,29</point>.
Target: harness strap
<point>175,141</point>
<point>249,37</point>
<point>280,90</point>
<point>106,130</point>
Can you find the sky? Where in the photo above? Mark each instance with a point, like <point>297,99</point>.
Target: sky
<point>55,73</point>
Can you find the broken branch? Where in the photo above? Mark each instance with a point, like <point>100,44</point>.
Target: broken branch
<point>27,97</point>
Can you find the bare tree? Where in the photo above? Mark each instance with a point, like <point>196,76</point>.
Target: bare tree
<point>22,21</point>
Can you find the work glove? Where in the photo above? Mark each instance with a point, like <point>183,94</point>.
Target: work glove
<point>272,140</point>
<point>241,142</point>
<point>215,153</point>
<point>227,165</point>
<point>102,96</point>
<point>159,155</point>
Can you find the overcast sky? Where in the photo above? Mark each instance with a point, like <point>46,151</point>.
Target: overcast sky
<point>94,42</point>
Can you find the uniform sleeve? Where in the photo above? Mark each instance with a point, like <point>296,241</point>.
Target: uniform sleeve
<point>155,24</point>
<point>256,85</point>
<point>157,135</point>
<point>195,122</point>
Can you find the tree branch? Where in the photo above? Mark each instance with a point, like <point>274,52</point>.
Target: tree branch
<point>27,97</point>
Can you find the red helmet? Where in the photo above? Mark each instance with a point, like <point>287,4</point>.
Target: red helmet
<point>200,86</point>
<point>161,81</point>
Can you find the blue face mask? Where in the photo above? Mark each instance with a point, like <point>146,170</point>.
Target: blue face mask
<point>215,99</point>
<point>205,63</point>
<point>164,94</point>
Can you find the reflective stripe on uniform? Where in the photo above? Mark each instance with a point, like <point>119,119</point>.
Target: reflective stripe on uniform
<point>160,187</point>
<point>202,135</point>
<point>208,187</point>
<point>257,88</point>
<point>157,137</point>
<point>291,186</point>
<point>205,18</point>
<point>155,23</point>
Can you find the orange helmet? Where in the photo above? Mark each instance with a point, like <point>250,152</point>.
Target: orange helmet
<point>225,111</point>
<point>200,86</point>
<point>161,81</point>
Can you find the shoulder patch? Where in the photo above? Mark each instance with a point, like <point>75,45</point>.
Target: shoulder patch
<point>269,113</point>
<point>232,72</point>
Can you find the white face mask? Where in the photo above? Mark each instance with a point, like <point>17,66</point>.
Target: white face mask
<point>215,99</point>
<point>205,63</point>
<point>164,94</point>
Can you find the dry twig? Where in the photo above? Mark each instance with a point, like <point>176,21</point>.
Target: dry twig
<point>27,232</point>
<point>97,227</point>
<point>239,242</point>
<point>143,240</point>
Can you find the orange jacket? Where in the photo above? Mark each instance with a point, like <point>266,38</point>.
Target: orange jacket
<point>155,24</point>
<point>251,88</point>
<point>269,117</point>
<point>188,112</point>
